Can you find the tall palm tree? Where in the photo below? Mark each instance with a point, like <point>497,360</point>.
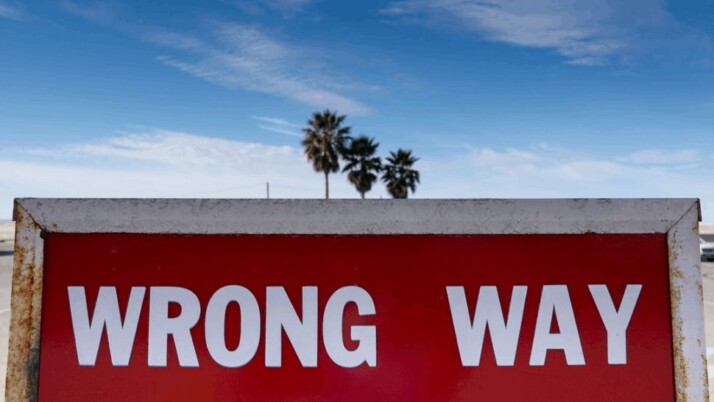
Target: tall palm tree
<point>399,174</point>
<point>362,165</point>
<point>324,141</point>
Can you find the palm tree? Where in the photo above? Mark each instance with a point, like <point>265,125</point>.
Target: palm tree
<point>399,176</point>
<point>362,165</point>
<point>324,141</point>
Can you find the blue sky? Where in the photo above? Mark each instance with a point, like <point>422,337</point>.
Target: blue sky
<point>499,98</point>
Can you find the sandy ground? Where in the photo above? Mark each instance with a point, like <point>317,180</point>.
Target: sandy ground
<point>6,245</point>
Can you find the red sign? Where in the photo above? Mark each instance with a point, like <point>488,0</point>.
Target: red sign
<point>146,317</point>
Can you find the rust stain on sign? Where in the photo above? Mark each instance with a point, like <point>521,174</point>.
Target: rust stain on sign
<point>26,304</point>
<point>678,219</point>
<point>685,291</point>
<point>680,362</point>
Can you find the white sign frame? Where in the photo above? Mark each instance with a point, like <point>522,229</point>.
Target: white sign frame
<point>676,218</point>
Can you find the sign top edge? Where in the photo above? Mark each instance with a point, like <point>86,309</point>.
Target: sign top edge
<point>354,216</point>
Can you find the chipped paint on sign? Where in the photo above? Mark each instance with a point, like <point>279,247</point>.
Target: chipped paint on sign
<point>26,305</point>
<point>687,309</point>
<point>677,218</point>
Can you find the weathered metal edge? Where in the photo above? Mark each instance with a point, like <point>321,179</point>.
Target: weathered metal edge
<point>26,304</point>
<point>686,292</point>
<point>685,286</point>
<point>478,216</point>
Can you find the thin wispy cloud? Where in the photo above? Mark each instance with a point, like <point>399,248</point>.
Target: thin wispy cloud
<point>276,121</point>
<point>286,8</point>
<point>238,56</point>
<point>11,11</point>
<point>183,150</point>
<point>100,12</point>
<point>287,5</point>
<point>585,32</point>
<point>279,126</point>
<point>245,57</point>
<point>162,163</point>
<point>279,130</point>
<point>547,173</point>
<point>664,157</point>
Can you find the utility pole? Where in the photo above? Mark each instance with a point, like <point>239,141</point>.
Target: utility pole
<point>267,190</point>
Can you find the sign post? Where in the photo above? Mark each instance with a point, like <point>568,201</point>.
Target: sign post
<point>419,300</point>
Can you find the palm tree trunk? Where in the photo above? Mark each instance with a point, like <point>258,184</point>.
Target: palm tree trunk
<point>362,194</point>
<point>327,186</point>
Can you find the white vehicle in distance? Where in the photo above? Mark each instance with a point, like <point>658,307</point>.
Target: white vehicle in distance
<point>706,250</point>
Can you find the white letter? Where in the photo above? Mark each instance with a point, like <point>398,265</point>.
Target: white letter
<point>556,299</point>
<point>216,326</point>
<point>365,335</point>
<point>161,326</point>
<point>279,315</point>
<point>616,322</point>
<point>87,335</point>
<point>470,335</point>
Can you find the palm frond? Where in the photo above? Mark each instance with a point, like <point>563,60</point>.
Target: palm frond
<point>399,176</point>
